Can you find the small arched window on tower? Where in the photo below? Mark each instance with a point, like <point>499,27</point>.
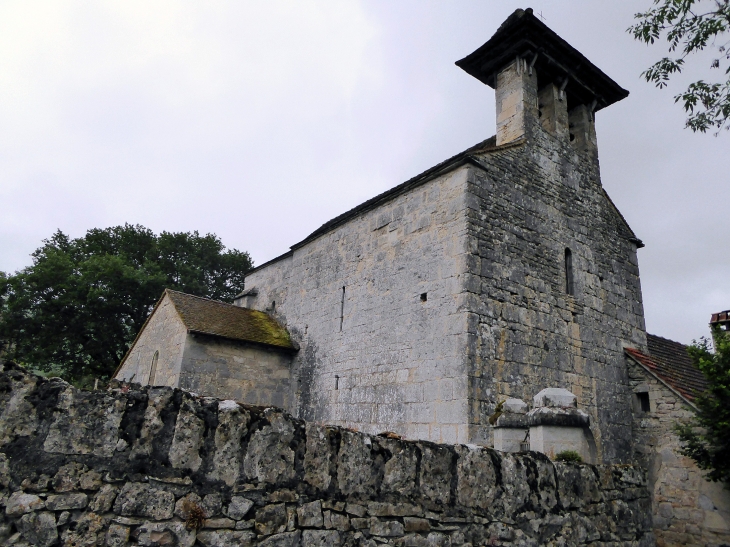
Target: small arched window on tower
<point>153,368</point>
<point>569,285</point>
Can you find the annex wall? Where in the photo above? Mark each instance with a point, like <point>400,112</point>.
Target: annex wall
<point>530,203</point>
<point>686,508</point>
<point>165,334</point>
<point>247,373</point>
<point>157,466</point>
<point>376,306</point>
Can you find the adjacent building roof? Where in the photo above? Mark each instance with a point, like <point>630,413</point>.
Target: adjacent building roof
<point>671,363</point>
<point>555,60</point>
<point>214,318</point>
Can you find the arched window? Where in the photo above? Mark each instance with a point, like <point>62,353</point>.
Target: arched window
<point>153,368</point>
<point>569,285</point>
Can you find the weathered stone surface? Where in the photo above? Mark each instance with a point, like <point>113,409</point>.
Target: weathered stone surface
<point>399,473</point>
<point>287,539</point>
<point>271,519</point>
<point>359,471</point>
<point>516,406</point>
<point>477,481</point>
<point>4,471</point>
<point>66,501</point>
<point>239,507</point>
<point>18,414</point>
<point>104,498</point>
<point>232,426</point>
<point>158,400</point>
<point>142,500</point>
<point>117,535</point>
<point>415,524</point>
<point>226,538</point>
<point>269,458</point>
<point>318,457</point>
<point>321,538</point>
<point>39,529</point>
<point>555,397</point>
<point>188,437</point>
<point>436,473</point>
<point>309,515</point>
<point>218,523</point>
<point>386,528</point>
<point>166,533</point>
<point>20,503</point>
<point>85,423</point>
<point>90,481</point>
<point>88,530</point>
<point>68,476</point>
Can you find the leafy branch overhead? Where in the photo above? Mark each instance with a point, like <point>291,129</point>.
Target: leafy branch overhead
<point>689,27</point>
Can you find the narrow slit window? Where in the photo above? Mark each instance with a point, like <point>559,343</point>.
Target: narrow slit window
<point>644,401</point>
<point>342,308</point>
<point>337,382</point>
<point>153,368</point>
<point>424,297</point>
<point>569,285</point>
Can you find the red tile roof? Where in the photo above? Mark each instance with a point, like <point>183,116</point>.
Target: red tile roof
<point>670,361</point>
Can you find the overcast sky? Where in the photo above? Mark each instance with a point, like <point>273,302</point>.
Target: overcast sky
<point>260,121</point>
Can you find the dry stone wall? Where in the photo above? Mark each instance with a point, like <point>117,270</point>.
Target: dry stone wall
<point>157,466</point>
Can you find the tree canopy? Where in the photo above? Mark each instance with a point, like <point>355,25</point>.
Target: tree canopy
<point>689,27</point>
<point>706,439</point>
<point>75,311</point>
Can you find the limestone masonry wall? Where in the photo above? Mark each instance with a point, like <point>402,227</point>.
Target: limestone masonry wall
<point>527,205</point>
<point>165,334</point>
<point>157,466</point>
<point>234,370</point>
<point>687,509</point>
<point>376,354</point>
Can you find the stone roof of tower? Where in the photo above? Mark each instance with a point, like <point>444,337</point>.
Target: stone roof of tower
<point>555,60</point>
<point>214,318</point>
<point>671,363</point>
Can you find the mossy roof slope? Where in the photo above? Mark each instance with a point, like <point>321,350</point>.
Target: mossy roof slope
<point>204,316</point>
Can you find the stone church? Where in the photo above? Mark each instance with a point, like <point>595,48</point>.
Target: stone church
<point>495,274</point>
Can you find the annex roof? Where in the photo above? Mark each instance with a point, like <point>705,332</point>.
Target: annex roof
<point>555,60</point>
<point>671,363</point>
<point>214,318</point>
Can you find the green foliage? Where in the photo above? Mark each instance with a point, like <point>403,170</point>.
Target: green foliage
<point>690,26</point>
<point>76,310</point>
<point>706,438</point>
<point>568,456</point>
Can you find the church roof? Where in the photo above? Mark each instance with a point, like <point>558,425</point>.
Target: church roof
<point>214,318</point>
<point>671,363</point>
<point>467,156</point>
<point>555,60</point>
<point>445,166</point>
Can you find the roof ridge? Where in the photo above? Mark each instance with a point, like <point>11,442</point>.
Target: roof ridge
<point>667,339</point>
<point>204,298</point>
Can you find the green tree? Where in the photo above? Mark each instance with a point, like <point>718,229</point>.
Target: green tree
<point>76,310</point>
<point>706,439</point>
<point>689,27</point>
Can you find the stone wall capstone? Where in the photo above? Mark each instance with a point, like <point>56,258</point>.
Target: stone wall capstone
<point>159,466</point>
